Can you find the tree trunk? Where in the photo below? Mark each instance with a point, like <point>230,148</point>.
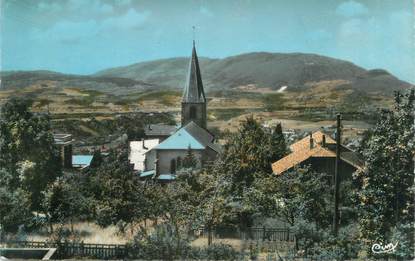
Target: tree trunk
<point>71,225</point>
<point>210,236</point>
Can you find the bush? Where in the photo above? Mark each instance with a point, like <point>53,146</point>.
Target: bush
<point>164,244</point>
<point>321,244</point>
<point>215,252</point>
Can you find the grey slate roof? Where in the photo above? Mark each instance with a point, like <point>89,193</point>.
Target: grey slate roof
<point>202,135</point>
<point>193,90</point>
<point>159,130</point>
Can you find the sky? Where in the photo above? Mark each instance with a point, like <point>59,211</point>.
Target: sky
<point>85,36</point>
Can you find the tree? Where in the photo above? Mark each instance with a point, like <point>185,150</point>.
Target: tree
<point>96,159</point>
<point>14,206</point>
<point>300,194</point>
<point>189,161</point>
<point>64,201</point>
<point>245,157</point>
<point>277,145</point>
<point>118,192</point>
<point>386,188</point>
<point>27,149</point>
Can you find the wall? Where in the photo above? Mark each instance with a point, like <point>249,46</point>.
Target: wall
<point>165,157</point>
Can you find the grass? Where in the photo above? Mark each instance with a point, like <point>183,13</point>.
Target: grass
<point>226,114</point>
<point>167,97</point>
<point>90,233</point>
<point>273,101</point>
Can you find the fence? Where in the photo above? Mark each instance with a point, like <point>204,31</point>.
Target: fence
<point>68,250</point>
<point>253,233</point>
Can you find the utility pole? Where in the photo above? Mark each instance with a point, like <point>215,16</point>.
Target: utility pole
<point>337,178</point>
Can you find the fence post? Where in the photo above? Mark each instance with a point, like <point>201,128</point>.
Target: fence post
<point>263,233</point>
<point>288,234</point>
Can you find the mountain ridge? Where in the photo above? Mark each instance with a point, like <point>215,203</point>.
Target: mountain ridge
<point>263,69</point>
<point>258,69</point>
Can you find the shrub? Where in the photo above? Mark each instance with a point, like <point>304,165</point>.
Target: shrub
<point>215,252</point>
<point>163,244</point>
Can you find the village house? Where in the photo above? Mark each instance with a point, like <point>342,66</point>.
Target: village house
<point>318,150</point>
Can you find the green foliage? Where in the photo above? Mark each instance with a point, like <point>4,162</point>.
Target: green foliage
<point>245,160</point>
<point>117,190</point>
<point>27,149</point>
<point>216,251</point>
<point>189,161</point>
<point>14,209</point>
<point>277,145</point>
<point>165,244</point>
<point>97,159</point>
<point>320,244</point>
<point>162,244</point>
<point>64,200</point>
<point>386,184</point>
<point>300,194</point>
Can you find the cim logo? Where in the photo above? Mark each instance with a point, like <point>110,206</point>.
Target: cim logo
<point>380,249</point>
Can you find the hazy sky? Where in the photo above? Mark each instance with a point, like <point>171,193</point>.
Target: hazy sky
<point>84,36</point>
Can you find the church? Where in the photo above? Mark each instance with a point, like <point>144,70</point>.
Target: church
<point>161,156</point>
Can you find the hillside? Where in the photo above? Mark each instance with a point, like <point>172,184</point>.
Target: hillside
<point>262,70</point>
<point>18,80</point>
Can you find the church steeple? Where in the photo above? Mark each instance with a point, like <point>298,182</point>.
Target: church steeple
<point>193,90</point>
<point>194,100</point>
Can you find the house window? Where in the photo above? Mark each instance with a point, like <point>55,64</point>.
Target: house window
<point>173,166</point>
<point>192,112</point>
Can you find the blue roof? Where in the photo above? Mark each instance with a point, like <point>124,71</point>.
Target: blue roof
<point>180,140</point>
<point>147,173</point>
<point>167,177</point>
<point>83,160</point>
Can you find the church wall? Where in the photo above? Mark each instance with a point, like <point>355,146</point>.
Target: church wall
<point>165,157</point>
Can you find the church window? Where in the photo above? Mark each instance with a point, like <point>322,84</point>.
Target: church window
<point>192,112</point>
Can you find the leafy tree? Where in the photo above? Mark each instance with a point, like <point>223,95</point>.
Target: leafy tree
<point>118,192</point>
<point>300,194</point>
<point>277,145</point>
<point>189,161</point>
<point>213,208</point>
<point>27,149</point>
<point>14,209</point>
<point>64,201</point>
<point>245,157</point>
<point>386,190</point>
<point>96,159</point>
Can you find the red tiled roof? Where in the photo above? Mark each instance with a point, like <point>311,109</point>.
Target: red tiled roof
<point>301,152</point>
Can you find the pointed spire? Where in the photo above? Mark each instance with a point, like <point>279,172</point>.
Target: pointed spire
<point>193,90</point>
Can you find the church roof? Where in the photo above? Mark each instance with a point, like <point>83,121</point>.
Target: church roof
<point>193,90</point>
<point>191,135</point>
<point>181,139</point>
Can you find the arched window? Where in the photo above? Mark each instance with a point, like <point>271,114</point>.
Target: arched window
<point>173,166</point>
<point>179,162</point>
<point>192,112</point>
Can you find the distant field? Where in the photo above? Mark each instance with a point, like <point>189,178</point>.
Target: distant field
<point>296,108</point>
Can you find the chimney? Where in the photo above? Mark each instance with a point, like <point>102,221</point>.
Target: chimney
<point>311,141</point>
<point>324,141</point>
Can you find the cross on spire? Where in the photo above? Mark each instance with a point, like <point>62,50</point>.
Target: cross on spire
<point>194,34</point>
